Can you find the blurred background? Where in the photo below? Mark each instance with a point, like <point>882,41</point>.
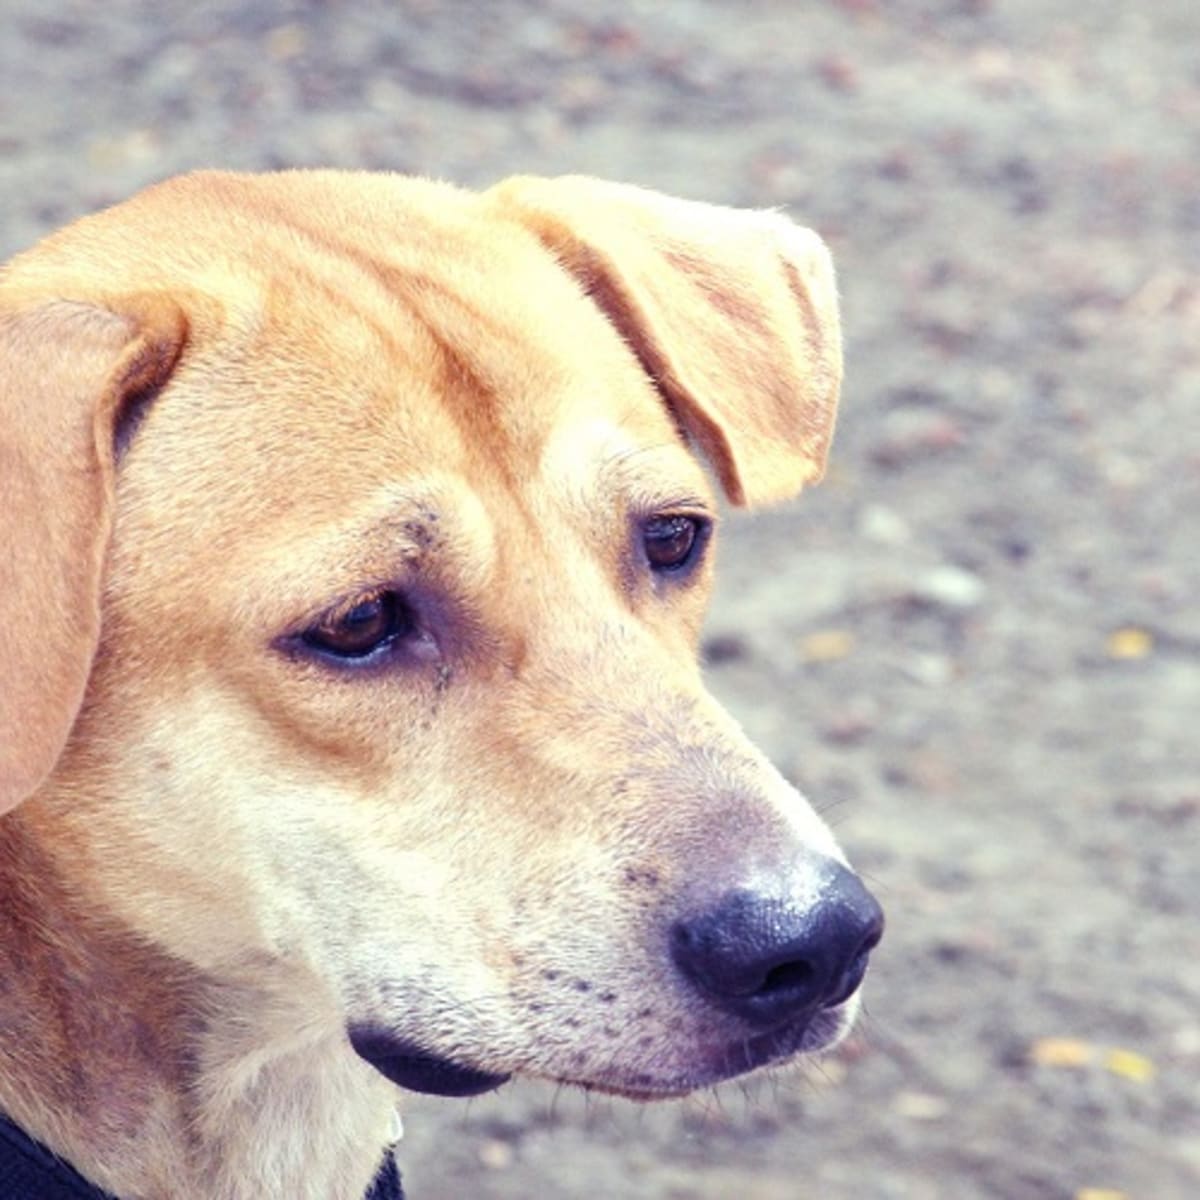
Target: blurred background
<point>976,646</point>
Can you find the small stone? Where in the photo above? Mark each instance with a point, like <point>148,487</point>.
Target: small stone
<point>914,433</point>
<point>951,587</point>
<point>884,525</point>
<point>826,645</point>
<point>285,42</point>
<point>838,73</point>
<point>725,647</point>
<point>1186,1041</point>
<point>850,724</point>
<point>919,1106</point>
<point>495,1154</point>
<point>933,670</point>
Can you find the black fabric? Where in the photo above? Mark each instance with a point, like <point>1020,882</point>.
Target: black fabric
<point>28,1171</point>
<point>387,1182</point>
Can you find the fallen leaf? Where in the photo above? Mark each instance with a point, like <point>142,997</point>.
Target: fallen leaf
<point>1129,1065</point>
<point>1073,1053</point>
<point>1061,1052</point>
<point>1130,642</point>
<point>1090,1193</point>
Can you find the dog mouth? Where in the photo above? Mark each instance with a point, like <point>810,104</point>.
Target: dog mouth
<point>417,1070</point>
<point>716,1064</point>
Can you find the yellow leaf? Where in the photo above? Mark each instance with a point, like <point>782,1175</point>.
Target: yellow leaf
<point>1130,642</point>
<point>1061,1052</point>
<point>826,645</point>
<point>1100,1194</point>
<point>1129,1065</point>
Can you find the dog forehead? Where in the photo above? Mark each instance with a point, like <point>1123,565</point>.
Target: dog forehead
<point>334,299</point>
<point>296,392</point>
<point>388,297</point>
<point>340,354</point>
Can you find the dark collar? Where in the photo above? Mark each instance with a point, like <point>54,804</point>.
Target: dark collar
<point>387,1182</point>
<point>28,1171</point>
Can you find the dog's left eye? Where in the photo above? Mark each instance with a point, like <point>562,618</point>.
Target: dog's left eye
<point>363,627</point>
<point>672,542</point>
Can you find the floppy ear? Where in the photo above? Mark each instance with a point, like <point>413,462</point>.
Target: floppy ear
<point>732,313</point>
<point>66,370</point>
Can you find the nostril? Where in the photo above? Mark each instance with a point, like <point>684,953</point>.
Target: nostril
<point>853,975</point>
<point>787,976</point>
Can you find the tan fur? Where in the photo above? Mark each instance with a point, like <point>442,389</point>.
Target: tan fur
<point>233,403</point>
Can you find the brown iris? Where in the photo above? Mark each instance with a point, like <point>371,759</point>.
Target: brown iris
<point>362,627</point>
<point>670,541</point>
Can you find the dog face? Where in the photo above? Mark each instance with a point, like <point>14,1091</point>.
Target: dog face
<point>364,634</point>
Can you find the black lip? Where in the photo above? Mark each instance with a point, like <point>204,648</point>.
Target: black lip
<point>417,1070</point>
<point>809,1036</point>
<point>718,1063</point>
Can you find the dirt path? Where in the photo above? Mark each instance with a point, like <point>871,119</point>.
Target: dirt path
<point>978,644</point>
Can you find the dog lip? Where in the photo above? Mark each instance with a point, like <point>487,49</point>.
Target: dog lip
<point>716,1063</point>
<point>419,1070</point>
<point>815,1032</point>
<point>765,1048</point>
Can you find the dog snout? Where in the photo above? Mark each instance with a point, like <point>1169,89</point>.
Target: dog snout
<point>763,956</point>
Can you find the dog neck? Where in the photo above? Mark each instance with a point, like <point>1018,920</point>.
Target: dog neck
<point>156,1081</point>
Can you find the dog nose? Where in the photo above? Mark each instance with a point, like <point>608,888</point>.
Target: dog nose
<point>769,960</point>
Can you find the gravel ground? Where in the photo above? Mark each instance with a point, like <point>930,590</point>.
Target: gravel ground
<point>978,644</point>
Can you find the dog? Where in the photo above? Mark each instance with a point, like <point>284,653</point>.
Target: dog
<point>356,542</point>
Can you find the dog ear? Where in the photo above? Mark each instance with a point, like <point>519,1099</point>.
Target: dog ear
<point>732,313</point>
<point>67,371</point>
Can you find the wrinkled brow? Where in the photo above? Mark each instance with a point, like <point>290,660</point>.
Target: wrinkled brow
<point>655,477</point>
<point>404,535</point>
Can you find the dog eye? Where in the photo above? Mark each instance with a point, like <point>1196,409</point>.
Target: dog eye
<point>363,627</point>
<point>671,543</point>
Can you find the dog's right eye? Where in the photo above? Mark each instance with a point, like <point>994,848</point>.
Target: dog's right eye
<point>673,542</point>
<point>362,628</point>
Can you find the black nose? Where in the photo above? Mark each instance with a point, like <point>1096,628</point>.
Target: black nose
<point>770,959</point>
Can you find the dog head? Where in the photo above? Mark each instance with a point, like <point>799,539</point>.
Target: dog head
<point>356,550</point>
